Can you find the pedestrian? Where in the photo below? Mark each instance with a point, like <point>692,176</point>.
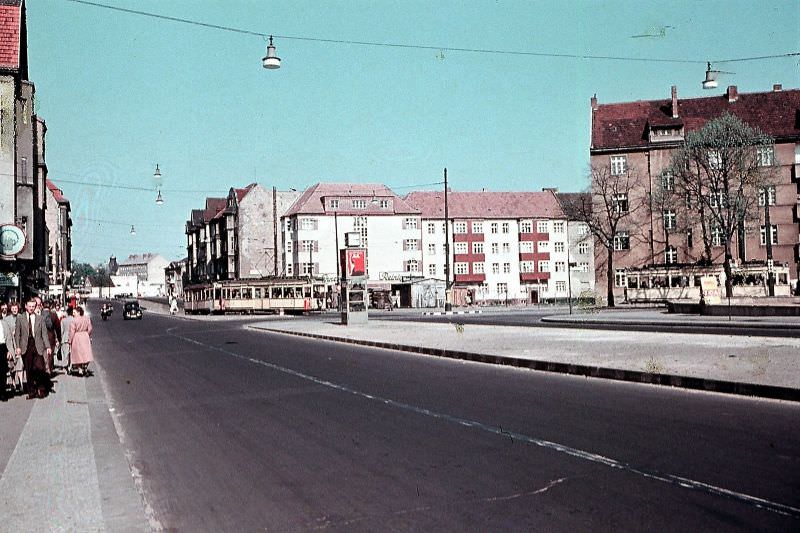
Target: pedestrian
<point>65,324</point>
<point>33,345</point>
<point>173,305</point>
<point>6,358</point>
<point>53,333</point>
<point>17,370</point>
<point>80,339</point>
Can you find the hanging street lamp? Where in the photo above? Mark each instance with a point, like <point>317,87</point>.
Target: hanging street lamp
<point>271,61</point>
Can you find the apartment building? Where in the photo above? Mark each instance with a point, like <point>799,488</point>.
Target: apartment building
<point>654,260</point>
<point>59,230</point>
<point>504,247</point>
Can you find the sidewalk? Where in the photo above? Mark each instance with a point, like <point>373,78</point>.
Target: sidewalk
<point>62,467</point>
<point>753,366</point>
<point>658,316</point>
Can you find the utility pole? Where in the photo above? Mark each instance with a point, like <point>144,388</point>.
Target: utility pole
<point>448,305</point>
<point>768,240</point>
<point>275,230</point>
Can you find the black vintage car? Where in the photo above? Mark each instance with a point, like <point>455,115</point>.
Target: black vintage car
<point>131,310</point>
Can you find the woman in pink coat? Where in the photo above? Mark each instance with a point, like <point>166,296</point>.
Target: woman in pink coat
<point>80,340</point>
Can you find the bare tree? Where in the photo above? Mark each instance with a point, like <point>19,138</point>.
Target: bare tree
<point>611,200</point>
<point>724,166</point>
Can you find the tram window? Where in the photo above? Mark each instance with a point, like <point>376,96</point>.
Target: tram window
<point>257,293</point>
<point>289,292</point>
<point>236,294</point>
<point>247,293</point>
<point>307,293</point>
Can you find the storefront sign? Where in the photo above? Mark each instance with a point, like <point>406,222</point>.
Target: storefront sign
<point>12,240</point>
<point>9,279</point>
<point>710,287</point>
<point>354,262</point>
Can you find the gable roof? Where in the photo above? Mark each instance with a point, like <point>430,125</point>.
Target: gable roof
<point>12,36</point>
<point>626,125</point>
<point>486,205</point>
<point>57,193</point>
<point>312,201</point>
<point>213,206</point>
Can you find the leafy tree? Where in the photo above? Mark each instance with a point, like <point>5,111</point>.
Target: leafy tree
<point>723,166</point>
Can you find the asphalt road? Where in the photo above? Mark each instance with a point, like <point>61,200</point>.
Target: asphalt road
<point>532,318</point>
<point>229,429</point>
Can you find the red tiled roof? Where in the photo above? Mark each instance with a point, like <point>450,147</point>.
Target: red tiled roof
<point>312,200</point>
<point>479,205</point>
<point>213,206</point>
<point>241,193</point>
<point>10,35</point>
<point>625,125</point>
<point>57,193</point>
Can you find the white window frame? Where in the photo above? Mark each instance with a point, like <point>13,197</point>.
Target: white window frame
<point>506,248</point>
<point>505,227</point>
<point>461,268</point>
<point>544,266</point>
<point>526,247</point>
<point>359,204</point>
<point>527,266</point>
<point>459,227</point>
<point>460,248</point>
<point>558,227</point>
<point>493,227</point>
<point>583,247</point>
<point>431,249</point>
<point>495,248</point>
<point>773,234</point>
<point>495,268</point>
<point>431,228</point>
<point>478,268</point>
<point>477,247</point>
<point>477,227</point>
<point>542,226</point>
<point>622,241</point>
<point>670,219</point>
<point>558,247</point>
<point>671,255</point>
<point>506,268</point>
<point>768,192</point>
<point>411,223</point>
<point>765,156</point>
<point>526,226</point>
<point>432,269</point>
<point>619,164</point>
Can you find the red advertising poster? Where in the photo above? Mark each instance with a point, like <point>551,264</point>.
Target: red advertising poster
<point>354,262</point>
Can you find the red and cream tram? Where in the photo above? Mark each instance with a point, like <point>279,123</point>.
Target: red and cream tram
<point>270,295</point>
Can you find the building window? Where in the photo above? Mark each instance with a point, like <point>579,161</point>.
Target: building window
<point>507,268</point>
<point>432,270</point>
<point>716,235</point>
<point>477,227</point>
<point>334,204</point>
<point>583,229</point>
<point>583,266</point>
<point>765,156</point>
<point>773,234</point>
<point>542,246</point>
<point>620,279</point>
<point>505,227</point>
<point>583,248</point>
<point>289,269</point>
<point>24,171</point>
<point>717,199</point>
<point>384,204</point>
<point>622,241</point>
<point>289,224</point>
<point>412,266</point>
<point>431,249</point>
<point>561,266</point>
<point>431,228</point>
<point>495,248</point>
<point>526,266</point>
<point>477,247</point>
<point>558,246</point>
<point>619,164</point>
<point>541,226</point>
<point>526,226</point>
<point>667,180</point>
<point>671,255</point>
<point>477,268</point>
<point>459,227</point>
<point>411,244</point>
<point>502,288</point>
<point>767,193</point>
<point>558,227</point>
<point>359,204</point>
<point>462,268</point>
<point>620,202</point>
<point>506,248</point>
<point>493,227</point>
<point>444,227</point>
<point>669,220</point>
<point>714,160</point>
<point>308,223</point>
<point>461,248</point>
<point>561,286</point>
<point>544,266</point>
<point>410,223</point>
<point>526,247</point>
<point>495,268</point>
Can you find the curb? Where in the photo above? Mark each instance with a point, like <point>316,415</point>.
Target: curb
<point>670,323</point>
<point>635,376</point>
<point>448,313</point>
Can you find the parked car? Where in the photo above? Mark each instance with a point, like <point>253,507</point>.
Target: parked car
<point>131,310</point>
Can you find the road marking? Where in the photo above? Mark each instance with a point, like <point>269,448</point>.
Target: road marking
<point>671,479</point>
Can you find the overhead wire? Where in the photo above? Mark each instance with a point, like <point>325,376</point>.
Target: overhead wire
<point>422,46</point>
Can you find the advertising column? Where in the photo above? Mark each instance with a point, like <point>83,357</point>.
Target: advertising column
<point>354,285</point>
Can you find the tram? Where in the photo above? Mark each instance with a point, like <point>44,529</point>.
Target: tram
<point>267,295</point>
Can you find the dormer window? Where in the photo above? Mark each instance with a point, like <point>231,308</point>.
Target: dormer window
<point>665,133</point>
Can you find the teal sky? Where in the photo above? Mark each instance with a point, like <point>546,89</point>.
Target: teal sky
<point>122,92</point>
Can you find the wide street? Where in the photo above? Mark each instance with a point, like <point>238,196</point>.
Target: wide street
<point>230,429</point>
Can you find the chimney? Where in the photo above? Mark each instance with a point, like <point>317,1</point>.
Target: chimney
<point>550,189</point>
<point>733,94</point>
<point>594,102</point>
<point>674,101</point>
<point>777,88</point>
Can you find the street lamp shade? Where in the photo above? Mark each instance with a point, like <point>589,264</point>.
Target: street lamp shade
<point>159,199</point>
<point>157,173</point>
<point>133,230</point>
<point>271,61</point>
<point>711,78</point>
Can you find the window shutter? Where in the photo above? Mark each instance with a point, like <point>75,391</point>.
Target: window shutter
<point>316,246</point>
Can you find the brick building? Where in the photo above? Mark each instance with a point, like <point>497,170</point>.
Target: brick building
<point>640,138</point>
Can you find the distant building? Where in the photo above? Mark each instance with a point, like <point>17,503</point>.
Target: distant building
<point>59,227</point>
<point>148,270</point>
<point>175,277</point>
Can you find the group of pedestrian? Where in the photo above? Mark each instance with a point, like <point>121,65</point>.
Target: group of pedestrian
<point>34,339</point>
